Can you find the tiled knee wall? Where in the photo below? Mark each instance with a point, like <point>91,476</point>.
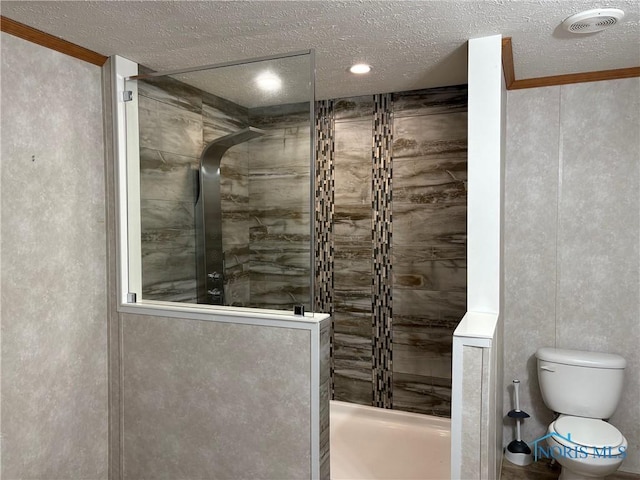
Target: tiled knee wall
<point>391,255</point>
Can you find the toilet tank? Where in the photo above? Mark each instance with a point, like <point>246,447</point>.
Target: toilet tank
<point>584,384</point>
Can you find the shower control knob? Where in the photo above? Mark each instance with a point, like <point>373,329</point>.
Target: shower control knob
<point>216,292</point>
<point>215,276</point>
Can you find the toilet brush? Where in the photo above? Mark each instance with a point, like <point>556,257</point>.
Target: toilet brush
<point>518,452</point>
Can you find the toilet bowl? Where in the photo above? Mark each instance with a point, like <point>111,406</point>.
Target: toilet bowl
<point>583,388</point>
<point>586,448</point>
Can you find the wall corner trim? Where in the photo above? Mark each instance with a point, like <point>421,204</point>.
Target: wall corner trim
<point>507,62</point>
<point>49,41</point>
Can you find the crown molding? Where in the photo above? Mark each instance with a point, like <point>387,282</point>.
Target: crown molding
<point>49,41</point>
<point>513,84</point>
<point>55,43</point>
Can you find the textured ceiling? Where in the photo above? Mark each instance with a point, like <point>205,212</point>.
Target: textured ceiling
<point>411,44</point>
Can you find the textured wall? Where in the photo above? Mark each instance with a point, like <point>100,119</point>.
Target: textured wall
<point>325,396</point>
<point>197,404</point>
<point>54,346</point>
<point>572,211</point>
<point>414,226</point>
<point>472,424</point>
<point>479,417</point>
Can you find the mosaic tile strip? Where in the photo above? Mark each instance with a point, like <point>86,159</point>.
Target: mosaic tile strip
<point>381,237</point>
<point>324,213</point>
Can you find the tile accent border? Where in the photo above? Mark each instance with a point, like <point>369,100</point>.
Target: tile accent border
<point>381,237</point>
<point>324,210</point>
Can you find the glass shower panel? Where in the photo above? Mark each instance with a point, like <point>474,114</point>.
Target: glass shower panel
<point>225,180</point>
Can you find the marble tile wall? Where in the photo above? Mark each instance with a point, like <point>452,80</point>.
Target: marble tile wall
<point>353,250</point>
<point>170,123</point>
<point>427,250</point>
<point>54,390</point>
<point>429,243</point>
<point>265,199</point>
<point>176,122</point>
<point>572,237</point>
<point>280,202</point>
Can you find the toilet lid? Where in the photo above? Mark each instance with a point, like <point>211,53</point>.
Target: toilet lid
<point>589,432</point>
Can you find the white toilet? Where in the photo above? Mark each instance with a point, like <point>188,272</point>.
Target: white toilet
<point>583,388</point>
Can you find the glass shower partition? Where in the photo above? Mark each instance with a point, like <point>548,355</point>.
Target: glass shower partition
<point>225,155</point>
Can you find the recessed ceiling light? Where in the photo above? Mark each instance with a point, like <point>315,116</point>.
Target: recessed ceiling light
<point>269,82</point>
<point>360,68</point>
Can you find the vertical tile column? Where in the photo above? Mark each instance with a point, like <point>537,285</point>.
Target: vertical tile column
<point>324,209</point>
<point>352,254</point>
<point>381,236</point>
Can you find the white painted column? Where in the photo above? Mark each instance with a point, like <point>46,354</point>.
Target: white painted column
<point>485,174</point>
<point>477,340</point>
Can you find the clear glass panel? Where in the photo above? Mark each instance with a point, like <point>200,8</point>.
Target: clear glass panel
<point>225,181</point>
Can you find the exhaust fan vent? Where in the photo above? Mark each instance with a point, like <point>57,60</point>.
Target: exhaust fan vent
<point>591,21</point>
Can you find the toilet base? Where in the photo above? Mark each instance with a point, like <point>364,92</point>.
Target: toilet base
<point>566,474</point>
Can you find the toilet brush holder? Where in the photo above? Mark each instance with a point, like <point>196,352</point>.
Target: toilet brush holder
<point>518,452</point>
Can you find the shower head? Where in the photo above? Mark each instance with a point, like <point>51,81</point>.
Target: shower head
<point>213,151</point>
<point>235,138</point>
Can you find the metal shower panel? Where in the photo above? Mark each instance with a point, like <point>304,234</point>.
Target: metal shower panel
<point>209,253</point>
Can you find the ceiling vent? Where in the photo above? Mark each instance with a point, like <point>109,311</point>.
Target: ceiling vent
<point>591,21</point>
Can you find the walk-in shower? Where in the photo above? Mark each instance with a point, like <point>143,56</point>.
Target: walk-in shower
<point>209,251</point>
<point>228,218</point>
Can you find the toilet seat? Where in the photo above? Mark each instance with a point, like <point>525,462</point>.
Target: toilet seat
<point>587,432</point>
